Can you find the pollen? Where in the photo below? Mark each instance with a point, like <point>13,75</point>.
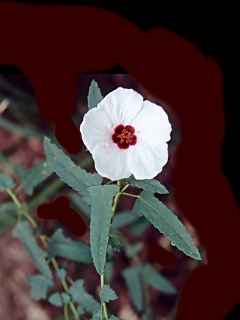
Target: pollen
<point>124,136</point>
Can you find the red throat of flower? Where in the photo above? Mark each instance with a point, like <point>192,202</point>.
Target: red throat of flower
<point>124,136</point>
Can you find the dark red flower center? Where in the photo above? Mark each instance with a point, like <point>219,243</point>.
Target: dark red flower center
<point>124,136</point>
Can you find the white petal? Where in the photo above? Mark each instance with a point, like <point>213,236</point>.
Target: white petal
<point>111,162</point>
<point>152,124</point>
<point>95,128</point>
<point>122,105</point>
<point>146,161</point>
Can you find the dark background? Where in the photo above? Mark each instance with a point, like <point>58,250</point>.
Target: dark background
<point>214,31</point>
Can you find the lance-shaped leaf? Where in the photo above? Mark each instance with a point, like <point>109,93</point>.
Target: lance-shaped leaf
<point>39,286</point>
<point>8,216</point>
<point>156,280</point>
<point>132,276</point>
<point>81,296</point>
<point>150,185</point>
<point>162,218</point>
<point>94,95</point>
<point>139,227</point>
<point>124,219</point>
<point>80,203</point>
<point>31,178</point>
<point>75,177</point>
<point>6,182</point>
<point>24,233</point>
<point>133,249</point>
<point>101,215</point>
<point>60,246</point>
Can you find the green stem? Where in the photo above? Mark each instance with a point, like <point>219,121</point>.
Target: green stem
<point>130,195</point>
<point>66,315</point>
<point>104,312</point>
<point>21,208</point>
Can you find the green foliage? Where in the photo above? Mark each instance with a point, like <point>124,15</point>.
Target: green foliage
<point>156,280</point>
<point>139,227</point>
<point>107,294</point>
<point>81,296</point>
<point>94,95</point>
<point>31,178</point>
<point>132,276</point>
<point>75,177</point>
<point>162,218</point>
<point>97,316</point>
<point>153,185</point>
<point>116,241</point>
<point>8,216</point>
<point>39,286</point>
<point>124,219</point>
<point>60,246</point>
<point>62,273</point>
<point>24,233</point>
<point>101,215</point>
<point>59,299</point>
<point>6,182</point>
<point>108,271</point>
<point>133,249</point>
<point>81,204</point>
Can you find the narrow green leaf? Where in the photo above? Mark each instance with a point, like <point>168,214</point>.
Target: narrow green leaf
<point>6,182</point>
<point>116,241</point>
<point>80,311</point>
<point>94,95</point>
<point>101,215</point>
<point>124,219</point>
<point>132,276</point>
<point>133,249</point>
<point>163,219</point>
<point>81,296</point>
<point>156,280</point>
<point>139,227</point>
<point>80,203</point>
<point>39,286</point>
<point>31,178</point>
<point>75,177</point>
<point>62,273</point>
<point>8,216</point>
<point>24,233</point>
<point>108,271</point>
<point>60,246</point>
<point>114,318</point>
<point>97,315</point>
<point>152,185</point>
<point>107,294</point>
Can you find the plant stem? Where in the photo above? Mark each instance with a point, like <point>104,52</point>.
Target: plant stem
<point>22,209</point>
<point>66,315</point>
<point>130,195</point>
<point>104,312</point>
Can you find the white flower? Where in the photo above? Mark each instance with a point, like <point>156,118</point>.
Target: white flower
<point>127,135</point>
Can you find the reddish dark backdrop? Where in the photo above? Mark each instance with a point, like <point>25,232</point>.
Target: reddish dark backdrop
<point>51,45</point>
